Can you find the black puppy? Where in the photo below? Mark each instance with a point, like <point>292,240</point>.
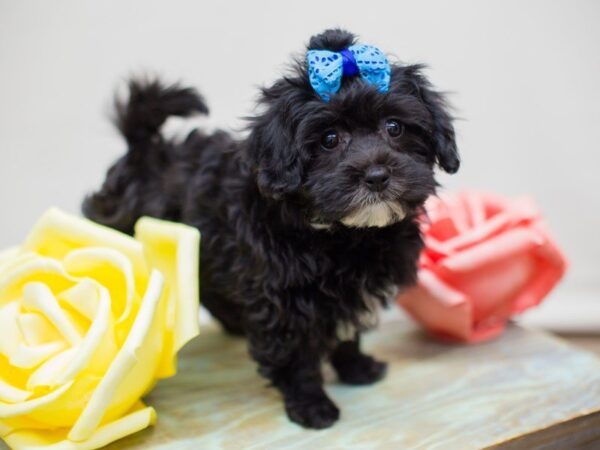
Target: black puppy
<point>307,224</point>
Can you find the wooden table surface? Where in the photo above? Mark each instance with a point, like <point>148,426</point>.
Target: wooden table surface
<point>525,390</point>
<point>590,343</point>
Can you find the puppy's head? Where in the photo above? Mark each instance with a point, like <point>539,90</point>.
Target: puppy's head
<point>362,159</point>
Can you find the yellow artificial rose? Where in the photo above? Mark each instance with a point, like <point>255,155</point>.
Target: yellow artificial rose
<point>90,319</point>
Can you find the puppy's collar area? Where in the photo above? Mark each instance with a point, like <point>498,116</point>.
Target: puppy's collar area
<point>327,68</point>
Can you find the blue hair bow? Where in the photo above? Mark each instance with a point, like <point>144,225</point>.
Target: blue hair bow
<point>326,68</point>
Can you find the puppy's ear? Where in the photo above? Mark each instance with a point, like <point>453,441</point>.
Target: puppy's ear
<point>275,156</point>
<point>443,137</point>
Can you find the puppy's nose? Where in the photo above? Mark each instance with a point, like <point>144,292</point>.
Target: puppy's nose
<point>377,178</point>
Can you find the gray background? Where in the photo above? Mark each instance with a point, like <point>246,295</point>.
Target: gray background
<point>523,76</point>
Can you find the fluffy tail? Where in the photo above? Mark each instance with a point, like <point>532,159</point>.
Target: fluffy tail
<point>133,184</point>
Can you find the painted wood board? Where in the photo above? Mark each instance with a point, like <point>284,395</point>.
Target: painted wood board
<point>526,390</point>
<point>516,392</point>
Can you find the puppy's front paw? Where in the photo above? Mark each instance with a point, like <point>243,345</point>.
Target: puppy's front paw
<point>359,369</point>
<point>314,411</point>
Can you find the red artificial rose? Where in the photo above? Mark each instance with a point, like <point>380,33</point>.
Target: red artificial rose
<point>486,258</point>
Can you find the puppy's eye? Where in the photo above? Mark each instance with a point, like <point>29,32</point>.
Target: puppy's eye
<point>330,139</point>
<point>394,128</point>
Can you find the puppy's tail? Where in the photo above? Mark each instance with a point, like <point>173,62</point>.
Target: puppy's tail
<point>126,192</point>
<point>150,103</point>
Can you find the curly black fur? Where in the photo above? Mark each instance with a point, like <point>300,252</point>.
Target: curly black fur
<point>285,258</point>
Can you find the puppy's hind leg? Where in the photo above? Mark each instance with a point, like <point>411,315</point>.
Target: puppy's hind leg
<point>353,366</point>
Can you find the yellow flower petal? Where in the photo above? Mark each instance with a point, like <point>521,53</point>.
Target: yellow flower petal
<point>174,250</point>
<point>10,335</point>
<point>57,233</point>
<point>65,410</point>
<point>27,268</point>
<point>27,357</point>
<point>82,297</point>
<point>7,426</point>
<point>8,255</point>
<point>92,339</point>
<point>108,267</point>
<point>39,298</point>
<point>36,329</point>
<point>123,363</point>
<point>12,375</point>
<point>48,373</point>
<point>139,418</point>
<point>12,394</point>
<point>11,410</point>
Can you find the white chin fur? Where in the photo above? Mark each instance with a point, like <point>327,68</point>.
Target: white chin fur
<point>320,226</point>
<point>376,215</point>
